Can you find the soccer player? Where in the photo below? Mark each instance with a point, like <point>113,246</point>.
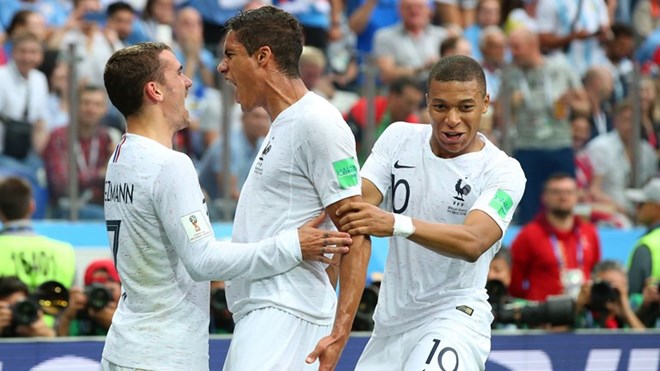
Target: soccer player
<point>452,194</point>
<point>306,164</point>
<point>161,237</point>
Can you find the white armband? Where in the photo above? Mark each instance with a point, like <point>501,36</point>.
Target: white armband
<point>403,226</point>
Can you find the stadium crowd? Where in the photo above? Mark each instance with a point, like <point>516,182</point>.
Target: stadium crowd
<point>574,90</point>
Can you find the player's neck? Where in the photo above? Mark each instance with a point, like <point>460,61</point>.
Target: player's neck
<point>144,126</point>
<point>284,92</point>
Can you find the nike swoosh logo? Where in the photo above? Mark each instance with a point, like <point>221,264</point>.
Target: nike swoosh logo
<point>397,166</point>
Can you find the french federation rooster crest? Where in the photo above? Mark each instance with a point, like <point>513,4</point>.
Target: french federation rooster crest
<point>461,191</point>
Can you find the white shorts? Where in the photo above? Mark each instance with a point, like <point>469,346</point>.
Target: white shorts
<point>109,366</point>
<point>441,345</point>
<point>272,339</point>
<point>463,4</point>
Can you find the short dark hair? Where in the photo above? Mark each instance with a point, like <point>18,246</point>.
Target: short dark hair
<point>272,27</point>
<point>128,70</point>
<point>458,68</point>
<point>622,30</point>
<point>119,6</point>
<point>15,197</point>
<point>87,88</point>
<point>20,18</point>
<point>401,83</point>
<point>10,285</point>
<point>559,175</point>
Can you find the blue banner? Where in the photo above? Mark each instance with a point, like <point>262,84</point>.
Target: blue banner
<point>516,352</point>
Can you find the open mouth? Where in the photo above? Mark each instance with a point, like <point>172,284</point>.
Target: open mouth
<point>452,135</point>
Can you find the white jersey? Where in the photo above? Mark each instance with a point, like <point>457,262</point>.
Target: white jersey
<point>306,163</point>
<point>420,284</point>
<point>166,252</point>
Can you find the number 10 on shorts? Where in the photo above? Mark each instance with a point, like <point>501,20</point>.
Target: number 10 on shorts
<point>445,359</point>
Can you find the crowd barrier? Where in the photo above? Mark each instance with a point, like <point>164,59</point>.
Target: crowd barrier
<point>91,241</point>
<point>510,352</point>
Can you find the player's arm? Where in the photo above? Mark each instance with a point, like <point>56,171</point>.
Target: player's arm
<point>352,278</point>
<point>465,241</point>
<point>179,205</point>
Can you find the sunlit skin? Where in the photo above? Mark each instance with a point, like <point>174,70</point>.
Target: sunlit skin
<point>242,71</point>
<point>455,108</point>
<point>177,85</point>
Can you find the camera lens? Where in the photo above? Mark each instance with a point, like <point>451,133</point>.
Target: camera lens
<point>98,296</point>
<point>25,312</point>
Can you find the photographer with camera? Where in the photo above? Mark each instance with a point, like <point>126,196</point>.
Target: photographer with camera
<point>91,308</point>
<point>20,316</point>
<point>515,313</point>
<point>603,302</point>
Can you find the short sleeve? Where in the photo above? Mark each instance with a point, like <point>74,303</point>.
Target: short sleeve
<point>502,193</point>
<point>327,156</point>
<point>378,167</point>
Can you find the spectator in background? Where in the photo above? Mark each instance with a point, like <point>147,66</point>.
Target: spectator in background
<point>203,100</point>
<point>58,96</point>
<point>92,151</point>
<point>488,14</point>
<point>23,98</point>
<point>12,292</point>
<point>94,46</point>
<point>598,213</point>
<point>313,73</point>
<point>402,103</point>
<point>644,266</point>
<point>619,52</point>
<point>650,115</point>
<point>555,253</point>
<point>158,19</point>
<point>410,47</point>
<point>320,19</point>
<point>53,12</point>
<point>524,16</point>
<point>455,45</point>
<point>198,63</point>
<point>575,28</point>
<point>245,144</point>
<point>369,17</point>
<point>459,12</point>
<point>492,44</point>
<point>647,249</point>
<point>545,92</point>
<point>500,267</point>
<point>604,302</point>
<point>611,155</point>
<point>120,17</point>
<point>599,86</point>
<point>91,308</point>
<point>646,17</point>
<point>33,258</point>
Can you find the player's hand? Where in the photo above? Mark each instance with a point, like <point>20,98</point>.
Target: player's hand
<point>365,219</point>
<point>315,243</point>
<point>327,351</point>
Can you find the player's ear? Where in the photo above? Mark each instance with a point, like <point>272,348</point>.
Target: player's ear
<point>153,91</point>
<point>263,54</point>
